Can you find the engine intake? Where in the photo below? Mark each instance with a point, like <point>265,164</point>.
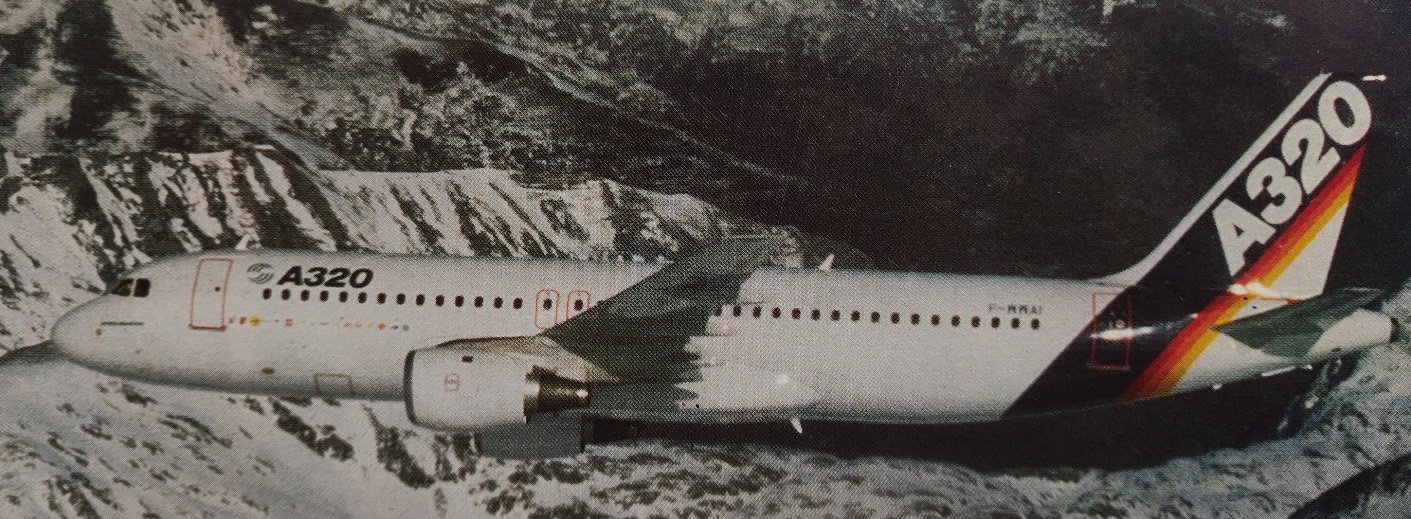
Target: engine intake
<point>459,390</point>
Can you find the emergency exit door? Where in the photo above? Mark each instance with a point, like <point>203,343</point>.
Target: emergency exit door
<point>208,294</point>
<point>578,302</point>
<point>546,309</point>
<point>1112,332</point>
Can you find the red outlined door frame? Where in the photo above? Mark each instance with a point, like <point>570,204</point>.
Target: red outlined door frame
<point>547,318</point>
<point>569,310</point>
<point>208,292</point>
<point>1112,312</point>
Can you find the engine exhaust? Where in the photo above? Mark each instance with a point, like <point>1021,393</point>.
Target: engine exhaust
<point>545,392</point>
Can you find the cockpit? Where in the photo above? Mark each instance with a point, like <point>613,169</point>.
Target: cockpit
<point>131,287</point>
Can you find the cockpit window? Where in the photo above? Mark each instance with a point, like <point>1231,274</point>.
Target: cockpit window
<point>128,287</point>
<point>122,288</point>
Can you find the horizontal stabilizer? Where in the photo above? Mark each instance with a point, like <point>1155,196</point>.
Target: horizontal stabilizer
<point>1291,331</point>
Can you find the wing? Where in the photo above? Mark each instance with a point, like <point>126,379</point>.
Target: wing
<point>641,333</point>
<point>1291,330</point>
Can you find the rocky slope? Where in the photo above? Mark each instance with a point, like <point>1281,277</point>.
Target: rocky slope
<point>1379,492</point>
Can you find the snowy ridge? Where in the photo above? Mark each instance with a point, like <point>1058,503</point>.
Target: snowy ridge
<point>485,211</point>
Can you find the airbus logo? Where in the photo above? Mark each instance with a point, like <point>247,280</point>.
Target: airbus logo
<point>260,273</point>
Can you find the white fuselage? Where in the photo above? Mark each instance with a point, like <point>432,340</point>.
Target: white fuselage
<point>974,344</point>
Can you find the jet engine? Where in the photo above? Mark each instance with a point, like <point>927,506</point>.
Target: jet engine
<point>464,390</point>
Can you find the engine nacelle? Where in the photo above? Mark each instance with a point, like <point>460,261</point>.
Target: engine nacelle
<point>464,390</point>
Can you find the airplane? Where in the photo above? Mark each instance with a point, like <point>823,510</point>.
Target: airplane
<point>1236,290</point>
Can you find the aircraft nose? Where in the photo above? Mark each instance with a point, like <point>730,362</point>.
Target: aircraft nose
<point>68,335</point>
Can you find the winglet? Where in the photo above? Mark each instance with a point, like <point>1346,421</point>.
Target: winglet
<point>244,244</point>
<point>827,264</point>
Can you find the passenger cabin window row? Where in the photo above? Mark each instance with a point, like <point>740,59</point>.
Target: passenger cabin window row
<point>128,287</point>
<point>874,317</point>
<point>140,288</point>
<point>382,298</point>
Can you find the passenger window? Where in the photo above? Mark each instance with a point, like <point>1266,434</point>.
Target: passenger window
<point>479,301</point>
<point>342,297</point>
<point>142,287</point>
<point>975,322</point>
<point>362,297</point>
<point>420,299</point>
<point>284,294</point>
<point>795,313</point>
<point>1014,323</point>
<point>915,319</point>
<point>758,311</point>
<point>440,300</point>
<point>401,299</point>
<point>955,320</point>
<point>268,293</point>
<point>776,313</point>
<point>122,288</point>
<point>837,315</point>
<point>736,312</point>
<point>499,302</point>
<point>460,301</point>
<point>549,305</point>
<point>303,295</point>
<point>935,320</point>
<point>994,322</point>
<point>323,296</point>
<point>518,303</point>
<point>816,314</point>
<point>876,317</point>
<point>856,316</point>
<point>381,298</point>
<point>896,318</point>
<point>1034,324</point>
<point>578,307</point>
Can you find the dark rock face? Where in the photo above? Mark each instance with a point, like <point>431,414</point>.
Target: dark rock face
<point>1383,491</point>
